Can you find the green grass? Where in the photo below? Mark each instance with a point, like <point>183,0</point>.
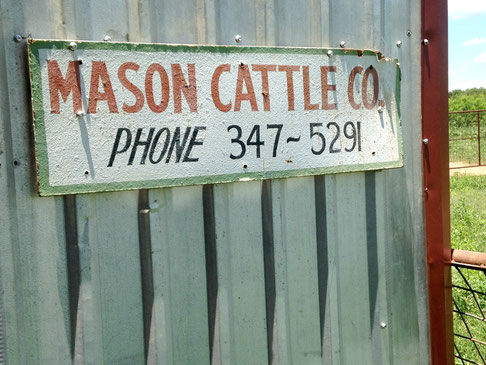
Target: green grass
<point>468,232</point>
<point>468,212</point>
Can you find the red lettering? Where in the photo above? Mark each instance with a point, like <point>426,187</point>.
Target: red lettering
<point>290,83</point>
<point>352,77</point>
<point>244,78</point>
<point>181,87</point>
<point>99,72</point>
<point>64,86</point>
<point>139,101</point>
<point>325,87</point>
<point>215,88</point>
<point>164,86</point>
<point>364,88</point>
<point>307,103</point>
<point>264,69</point>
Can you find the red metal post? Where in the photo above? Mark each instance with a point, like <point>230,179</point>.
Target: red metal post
<point>435,128</point>
<point>479,141</point>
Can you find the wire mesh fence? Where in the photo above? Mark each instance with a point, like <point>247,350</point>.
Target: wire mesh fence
<point>469,307</point>
<point>467,138</point>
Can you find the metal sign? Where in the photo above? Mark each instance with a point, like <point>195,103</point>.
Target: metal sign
<point>116,116</point>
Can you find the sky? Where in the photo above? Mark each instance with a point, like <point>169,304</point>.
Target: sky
<point>467,44</point>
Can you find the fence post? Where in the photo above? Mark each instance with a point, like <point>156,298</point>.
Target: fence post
<point>435,129</point>
<point>479,140</point>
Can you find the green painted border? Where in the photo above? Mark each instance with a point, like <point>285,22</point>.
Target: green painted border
<point>42,163</point>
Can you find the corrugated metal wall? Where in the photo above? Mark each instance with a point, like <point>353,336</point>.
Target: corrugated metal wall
<point>315,270</point>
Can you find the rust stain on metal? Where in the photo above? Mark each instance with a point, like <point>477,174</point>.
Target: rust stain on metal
<point>469,257</point>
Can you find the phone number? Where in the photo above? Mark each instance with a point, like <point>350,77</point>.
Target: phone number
<point>318,141</point>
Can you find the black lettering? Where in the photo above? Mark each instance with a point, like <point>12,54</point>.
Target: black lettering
<point>193,142</point>
<point>138,142</point>
<point>278,127</point>
<point>177,144</point>
<point>115,150</point>
<point>336,137</point>
<point>238,141</point>
<point>154,144</point>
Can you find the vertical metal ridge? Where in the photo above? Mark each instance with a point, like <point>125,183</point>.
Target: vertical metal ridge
<point>10,205</point>
<point>371,242</point>
<point>211,263</point>
<point>153,21</point>
<point>315,23</point>
<point>218,35</point>
<point>330,34</point>
<point>73,265</point>
<point>385,260</point>
<point>381,41</point>
<point>146,268</point>
<point>322,249</point>
<point>270,19</point>
<point>201,21</point>
<point>277,39</point>
<point>373,270</point>
<point>269,264</point>
<point>3,350</point>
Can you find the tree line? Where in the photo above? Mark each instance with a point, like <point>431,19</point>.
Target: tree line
<point>462,100</point>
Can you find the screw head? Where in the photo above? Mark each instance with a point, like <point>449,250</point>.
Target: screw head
<point>73,46</point>
<point>342,44</point>
<point>238,38</point>
<point>409,33</point>
<point>17,38</point>
<point>79,113</point>
<point>426,42</point>
<point>425,140</point>
<point>107,38</point>
<point>330,53</point>
<point>380,109</point>
<point>382,324</point>
<point>399,44</point>
<point>154,205</point>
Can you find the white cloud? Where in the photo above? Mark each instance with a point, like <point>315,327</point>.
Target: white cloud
<point>459,9</point>
<point>474,42</point>
<point>480,58</point>
<point>463,84</point>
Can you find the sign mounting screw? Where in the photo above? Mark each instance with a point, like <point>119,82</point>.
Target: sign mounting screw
<point>238,38</point>
<point>380,109</point>
<point>342,44</point>
<point>330,53</point>
<point>399,44</point>
<point>73,46</point>
<point>107,38</point>
<point>426,141</point>
<point>17,38</point>
<point>426,42</point>
<point>79,113</point>
<point>382,324</point>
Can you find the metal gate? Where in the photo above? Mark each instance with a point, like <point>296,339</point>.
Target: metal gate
<point>466,128</point>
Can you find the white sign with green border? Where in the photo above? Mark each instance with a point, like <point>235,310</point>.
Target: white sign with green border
<point>117,116</point>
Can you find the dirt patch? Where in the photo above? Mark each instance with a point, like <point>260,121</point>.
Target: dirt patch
<point>477,170</point>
